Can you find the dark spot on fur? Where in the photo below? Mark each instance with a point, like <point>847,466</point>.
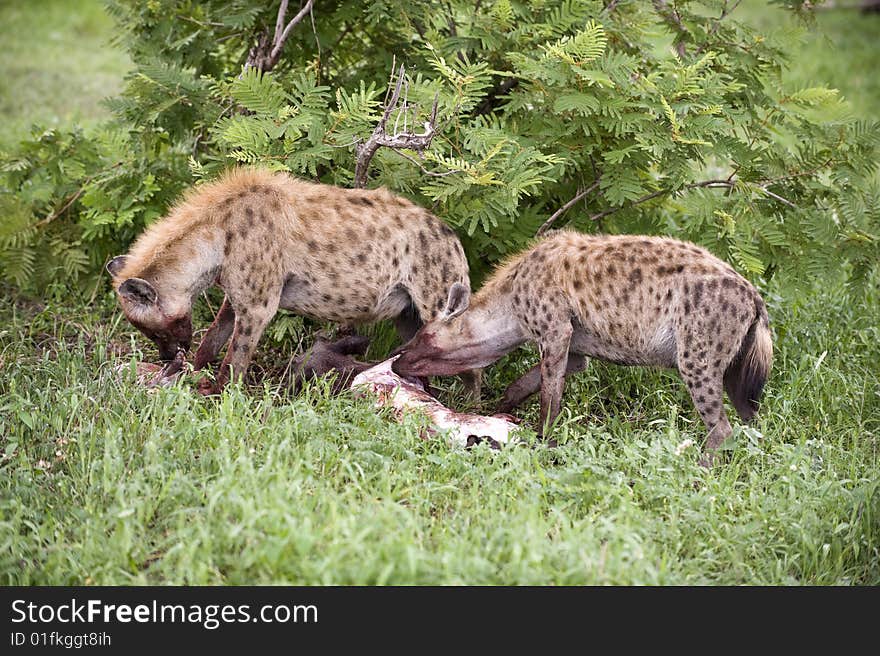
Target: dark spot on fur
<point>635,276</point>
<point>577,284</point>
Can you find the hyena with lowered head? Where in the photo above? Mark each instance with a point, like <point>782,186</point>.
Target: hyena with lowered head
<point>630,300</point>
<point>270,240</point>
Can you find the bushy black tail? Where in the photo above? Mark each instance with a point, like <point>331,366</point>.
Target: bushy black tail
<point>745,377</point>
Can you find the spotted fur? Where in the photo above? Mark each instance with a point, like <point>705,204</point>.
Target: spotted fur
<point>272,241</point>
<point>630,300</point>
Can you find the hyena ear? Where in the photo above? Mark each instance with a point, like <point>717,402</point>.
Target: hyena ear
<point>138,290</point>
<point>115,265</point>
<point>457,302</point>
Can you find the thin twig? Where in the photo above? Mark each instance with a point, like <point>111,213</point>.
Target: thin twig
<point>729,184</point>
<point>57,213</point>
<point>643,199</point>
<point>423,169</point>
<point>279,42</point>
<point>725,12</point>
<point>266,53</point>
<point>562,210</point>
<point>782,200</point>
<point>611,6</point>
<point>672,16</point>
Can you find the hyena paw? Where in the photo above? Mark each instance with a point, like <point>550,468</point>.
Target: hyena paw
<point>207,387</point>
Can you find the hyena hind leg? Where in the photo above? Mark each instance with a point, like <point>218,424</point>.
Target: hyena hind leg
<point>707,395</point>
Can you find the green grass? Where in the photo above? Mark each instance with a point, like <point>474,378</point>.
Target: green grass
<point>839,50</point>
<point>105,482</point>
<point>57,65</point>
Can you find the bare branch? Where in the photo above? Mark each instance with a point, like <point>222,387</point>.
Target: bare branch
<point>279,42</point>
<point>782,200</point>
<point>54,215</point>
<point>671,16</point>
<point>266,53</point>
<point>643,199</point>
<point>728,183</point>
<point>406,140</point>
<point>562,210</point>
<point>725,12</point>
<point>279,22</point>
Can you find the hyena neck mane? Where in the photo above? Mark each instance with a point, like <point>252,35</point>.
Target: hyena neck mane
<point>179,265</point>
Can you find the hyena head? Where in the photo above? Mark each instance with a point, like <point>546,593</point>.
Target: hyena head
<point>455,341</point>
<point>143,308</point>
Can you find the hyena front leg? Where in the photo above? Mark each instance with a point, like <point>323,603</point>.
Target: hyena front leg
<point>217,335</point>
<point>251,320</point>
<point>530,382</point>
<point>553,345</point>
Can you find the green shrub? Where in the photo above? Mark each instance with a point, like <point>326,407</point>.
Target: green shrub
<point>672,117</point>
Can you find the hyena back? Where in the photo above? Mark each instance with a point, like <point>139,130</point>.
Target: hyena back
<point>630,300</point>
<point>272,241</point>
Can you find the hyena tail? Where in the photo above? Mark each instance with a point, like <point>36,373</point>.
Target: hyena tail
<point>745,377</point>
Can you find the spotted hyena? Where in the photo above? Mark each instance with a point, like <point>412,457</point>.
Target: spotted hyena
<point>272,241</point>
<point>630,300</point>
